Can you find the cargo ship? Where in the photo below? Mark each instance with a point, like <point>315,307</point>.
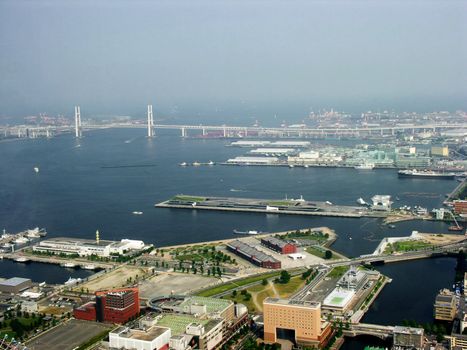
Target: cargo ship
<point>426,174</point>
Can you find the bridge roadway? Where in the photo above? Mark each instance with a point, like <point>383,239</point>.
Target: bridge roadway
<point>369,329</point>
<point>50,130</point>
<point>388,258</point>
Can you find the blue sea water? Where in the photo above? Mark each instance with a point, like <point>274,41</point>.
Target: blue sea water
<point>98,181</point>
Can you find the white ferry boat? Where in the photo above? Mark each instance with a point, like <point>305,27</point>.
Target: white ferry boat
<point>251,232</point>
<point>365,166</point>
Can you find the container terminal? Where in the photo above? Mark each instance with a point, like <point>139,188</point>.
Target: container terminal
<point>381,206</point>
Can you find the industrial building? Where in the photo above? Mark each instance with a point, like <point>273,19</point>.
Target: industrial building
<point>253,160</point>
<point>273,151</point>
<point>253,255</point>
<point>86,247</point>
<point>445,306</point>
<point>408,338</point>
<point>302,318</point>
<point>439,151</point>
<point>279,245</point>
<point>116,306</point>
<point>460,207</point>
<point>15,285</point>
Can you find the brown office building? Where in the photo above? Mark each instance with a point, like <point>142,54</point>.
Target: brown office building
<point>301,319</point>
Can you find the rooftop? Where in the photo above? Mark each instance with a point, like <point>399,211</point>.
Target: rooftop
<point>292,302</point>
<point>339,298</point>
<point>14,281</point>
<point>212,304</point>
<point>408,330</point>
<point>77,241</point>
<point>177,323</point>
<point>275,241</point>
<point>250,251</point>
<point>140,334</point>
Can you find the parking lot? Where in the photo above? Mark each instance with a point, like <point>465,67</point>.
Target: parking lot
<point>68,336</point>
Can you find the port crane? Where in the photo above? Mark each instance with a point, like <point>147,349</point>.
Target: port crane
<point>455,227</point>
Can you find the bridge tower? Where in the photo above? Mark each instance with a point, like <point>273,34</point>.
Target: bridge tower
<point>150,122</point>
<point>78,130</point>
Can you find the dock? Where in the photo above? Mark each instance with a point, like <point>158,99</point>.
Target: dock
<point>270,206</point>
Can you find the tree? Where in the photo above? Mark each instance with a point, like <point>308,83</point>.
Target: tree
<point>328,254</point>
<point>284,277</point>
<point>234,293</point>
<point>264,282</point>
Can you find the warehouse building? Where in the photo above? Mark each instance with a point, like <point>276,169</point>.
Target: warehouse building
<point>253,255</point>
<point>15,285</point>
<point>86,247</point>
<point>279,245</point>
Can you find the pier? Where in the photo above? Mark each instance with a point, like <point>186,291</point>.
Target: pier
<point>270,206</point>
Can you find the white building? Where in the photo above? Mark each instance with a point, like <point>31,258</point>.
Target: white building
<point>139,339</point>
<point>29,306</point>
<point>85,247</point>
<point>253,160</point>
<point>381,202</point>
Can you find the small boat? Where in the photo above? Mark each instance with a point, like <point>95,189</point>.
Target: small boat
<point>365,166</point>
<point>211,162</point>
<point>328,203</point>
<point>306,166</point>
<point>392,226</point>
<point>455,228</point>
<point>291,166</point>
<point>183,164</point>
<point>361,201</point>
<point>138,213</point>
<point>251,232</point>
<point>350,238</point>
<point>69,265</point>
<point>22,259</point>
<point>196,164</point>
<point>89,267</point>
<point>36,169</point>
<point>71,281</point>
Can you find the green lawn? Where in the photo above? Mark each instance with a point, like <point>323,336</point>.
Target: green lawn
<point>406,246</point>
<point>231,285</point>
<point>183,198</point>
<point>285,290</point>
<point>338,271</point>
<point>280,203</point>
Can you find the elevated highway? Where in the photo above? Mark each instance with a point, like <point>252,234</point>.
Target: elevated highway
<point>234,131</point>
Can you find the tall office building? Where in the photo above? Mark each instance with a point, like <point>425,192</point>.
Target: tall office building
<point>302,318</point>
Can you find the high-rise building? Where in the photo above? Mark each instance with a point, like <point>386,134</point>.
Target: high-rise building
<point>116,306</point>
<point>303,318</point>
<point>445,306</point>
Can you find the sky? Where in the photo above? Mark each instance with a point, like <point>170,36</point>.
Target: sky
<point>226,58</point>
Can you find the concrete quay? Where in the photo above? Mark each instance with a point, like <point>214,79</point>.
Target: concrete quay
<point>270,206</point>
<point>79,263</point>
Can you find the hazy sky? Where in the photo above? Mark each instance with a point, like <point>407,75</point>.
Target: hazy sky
<point>226,57</point>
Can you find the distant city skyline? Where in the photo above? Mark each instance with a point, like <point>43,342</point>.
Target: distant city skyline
<point>252,59</point>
